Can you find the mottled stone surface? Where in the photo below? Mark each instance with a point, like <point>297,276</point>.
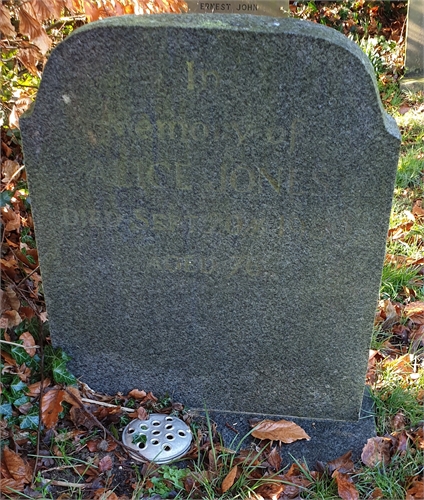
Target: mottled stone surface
<point>211,198</point>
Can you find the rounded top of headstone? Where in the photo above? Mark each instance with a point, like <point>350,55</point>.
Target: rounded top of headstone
<point>299,42</point>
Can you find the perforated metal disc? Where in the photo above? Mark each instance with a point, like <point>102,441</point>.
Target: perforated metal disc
<point>160,439</point>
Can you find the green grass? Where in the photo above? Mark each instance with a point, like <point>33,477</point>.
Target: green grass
<point>396,279</point>
<point>392,480</point>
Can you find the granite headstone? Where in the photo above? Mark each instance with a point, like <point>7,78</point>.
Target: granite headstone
<point>211,198</point>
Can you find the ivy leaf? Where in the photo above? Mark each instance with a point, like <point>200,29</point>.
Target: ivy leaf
<point>6,410</point>
<point>17,386</point>
<point>61,375</point>
<point>29,422</point>
<point>20,355</point>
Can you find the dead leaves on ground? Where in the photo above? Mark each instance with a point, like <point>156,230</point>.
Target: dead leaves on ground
<point>282,430</point>
<point>15,472</point>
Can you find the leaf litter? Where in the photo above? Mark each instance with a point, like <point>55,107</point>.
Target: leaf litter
<point>76,442</point>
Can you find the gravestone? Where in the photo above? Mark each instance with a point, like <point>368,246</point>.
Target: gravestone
<point>414,55</point>
<point>211,198</point>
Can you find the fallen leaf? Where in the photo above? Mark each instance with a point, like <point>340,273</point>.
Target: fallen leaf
<point>376,451</point>
<point>142,413</point>
<point>417,337</point>
<point>12,219</point>
<point>377,494</point>
<point>15,467</point>
<point>104,494</point>
<point>80,418</point>
<point>43,317</point>
<point>416,491</point>
<point>35,388</point>
<point>20,106</point>
<point>51,406</point>
<point>398,421</point>
<point>415,312</point>
<point>229,479</point>
<point>136,394</point>
<point>281,430</point>
<point>392,316</point>
<point>342,464</point>
<point>401,446</point>
<point>345,486</point>
<point>9,169</point>
<point>13,318</point>
<point>274,459</point>
<point>105,463</point>
<point>270,490</point>
<point>29,343</point>
<point>417,209</point>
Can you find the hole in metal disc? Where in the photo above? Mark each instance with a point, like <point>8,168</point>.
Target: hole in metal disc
<point>131,430</point>
<point>170,437</point>
<point>169,427</point>
<point>169,419</point>
<point>154,441</point>
<point>141,445</point>
<point>155,423</point>
<point>181,433</point>
<point>166,447</point>
<point>143,427</point>
<point>156,433</point>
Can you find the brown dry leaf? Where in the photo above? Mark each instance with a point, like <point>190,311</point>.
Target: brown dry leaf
<point>415,312</point>
<point>12,298</point>
<point>20,106</point>
<point>13,318</point>
<point>91,10</point>
<point>29,343</point>
<point>398,232</point>
<point>30,56</point>
<point>274,459</point>
<point>392,316</point>
<point>105,463</point>
<point>377,494</point>
<point>43,317</point>
<point>23,257</point>
<point>81,418</point>
<point>104,494</point>
<point>12,219</point>
<point>35,388</point>
<point>15,466</point>
<point>136,394</point>
<point>73,396</point>
<point>281,430</point>
<point>9,169</point>
<point>416,491</point>
<point>345,486</point>
<point>417,209</point>
<point>342,464</point>
<point>376,451</point>
<point>398,421</point>
<point>401,365</point>
<point>31,27</point>
<point>6,27</point>
<point>417,337</point>
<point>51,406</point>
<point>270,491</point>
<point>229,479</point>
<point>142,413</point>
